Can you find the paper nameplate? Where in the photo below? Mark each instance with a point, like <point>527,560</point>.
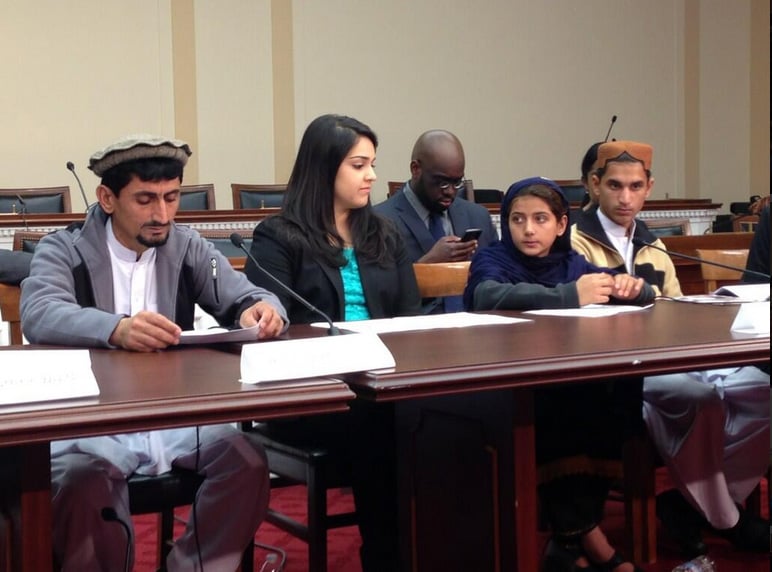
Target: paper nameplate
<point>752,318</point>
<point>313,357</point>
<point>29,376</point>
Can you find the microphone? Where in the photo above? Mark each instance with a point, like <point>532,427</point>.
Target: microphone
<point>109,515</point>
<point>71,167</point>
<point>238,242</point>
<point>610,127</point>
<point>640,242</point>
<point>23,210</point>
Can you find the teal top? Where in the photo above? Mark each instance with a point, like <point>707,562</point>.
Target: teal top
<point>353,294</point>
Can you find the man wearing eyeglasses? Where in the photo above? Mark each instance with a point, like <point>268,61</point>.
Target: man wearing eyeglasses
<point>430,214</point>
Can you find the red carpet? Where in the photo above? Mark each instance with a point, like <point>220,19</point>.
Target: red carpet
<point>343,543</point>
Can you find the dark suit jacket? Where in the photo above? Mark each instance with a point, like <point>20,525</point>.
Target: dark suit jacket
<point>418,239</point>
<point>388,292</point>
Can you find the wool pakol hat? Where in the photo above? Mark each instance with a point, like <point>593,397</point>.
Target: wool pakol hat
<point>132,147</point>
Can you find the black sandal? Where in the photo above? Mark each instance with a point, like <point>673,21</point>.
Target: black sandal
<point>560,557</point>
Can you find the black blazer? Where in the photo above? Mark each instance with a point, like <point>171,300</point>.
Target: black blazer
<point>389,292</point>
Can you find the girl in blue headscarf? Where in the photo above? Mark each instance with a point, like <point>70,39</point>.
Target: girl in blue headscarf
<point>579,428</point>
<point>533,266</point>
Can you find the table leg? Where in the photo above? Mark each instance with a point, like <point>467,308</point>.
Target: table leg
<point>526,510</point>
<point>27,484</point>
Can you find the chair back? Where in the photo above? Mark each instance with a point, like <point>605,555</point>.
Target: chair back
<point>712,275</point>
<point>487,196</point>
<point>197,197</point>
<point>27,240</point>
<point>221,239</point>
<point>669,227</point>
<point>246,196</point>
<point>10,312</point>
<point>394,187</point>
<point>572,188</point>
<point>36,200</point>
<point>439,279</point>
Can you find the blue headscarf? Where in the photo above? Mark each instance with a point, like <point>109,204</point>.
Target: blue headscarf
<point>503,262</point>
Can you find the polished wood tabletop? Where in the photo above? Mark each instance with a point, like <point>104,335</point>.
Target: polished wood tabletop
<point>174,388</point>
<point>668,337</point>
<point>180,387</point>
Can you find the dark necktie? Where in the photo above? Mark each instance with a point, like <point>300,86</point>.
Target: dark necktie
<point>451,303</point>
<point>435,226</point>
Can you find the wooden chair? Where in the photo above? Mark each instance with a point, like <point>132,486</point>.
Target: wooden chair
<point>300,462</point>
<point>162,494</point>
<point>712,275</point>
<point>394,187</point>
<point>669,227</point>
<point>36,200</point>
<point>745,223</point>
<point>439,279</point>
<point>247,196</point>
<point>9,311</point>
<point>487,196</point>
<point>221,239</point>
<point>197,197</point>
<point>573,189</point>
<point>27,240</point>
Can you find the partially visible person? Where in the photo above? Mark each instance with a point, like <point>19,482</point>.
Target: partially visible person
<point>330,247</point>
<point>709,427</point>
<point>14,266</point>
<point>759,254</point>
<point>588,167</point>
<point>430,215</point>
<point>128,278</point>
<point>534,267</point>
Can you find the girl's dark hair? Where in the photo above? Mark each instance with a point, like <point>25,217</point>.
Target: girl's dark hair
<point>309,199</point>
<point>555,201</point>
<point>153,169</point>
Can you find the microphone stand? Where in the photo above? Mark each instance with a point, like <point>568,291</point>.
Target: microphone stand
<point>23,211</point>
<point>71,167</point>
<point>238,242</point>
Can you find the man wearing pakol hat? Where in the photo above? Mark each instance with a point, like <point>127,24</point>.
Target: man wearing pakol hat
<point>711,428</point>
<point>129,278</point>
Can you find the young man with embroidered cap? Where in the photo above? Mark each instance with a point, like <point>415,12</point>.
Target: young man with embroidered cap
<point>710,427</point>
<point>129,277</point>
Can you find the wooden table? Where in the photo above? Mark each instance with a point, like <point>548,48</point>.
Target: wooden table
<point>138,392</point>
<point>464,401</point>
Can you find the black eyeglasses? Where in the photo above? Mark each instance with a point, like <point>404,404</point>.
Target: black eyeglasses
<point>444,182</point>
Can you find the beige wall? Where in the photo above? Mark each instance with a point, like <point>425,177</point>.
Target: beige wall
<point>528,86</point>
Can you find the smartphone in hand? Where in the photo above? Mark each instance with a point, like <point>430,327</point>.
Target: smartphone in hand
<point>471,234</point>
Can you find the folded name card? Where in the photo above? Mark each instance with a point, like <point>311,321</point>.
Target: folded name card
<point>313,357</point>
<point>752,318</point>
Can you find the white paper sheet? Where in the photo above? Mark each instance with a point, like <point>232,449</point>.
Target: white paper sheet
<point>215,335</point>
<point>752,318</point>
<point>590,311</point>
<point>415,323</point>
<point>44,375</point>
<point>313,357</point>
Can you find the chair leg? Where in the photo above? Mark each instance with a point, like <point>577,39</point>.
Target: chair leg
<point>639,486</point>
<point>248,557</point>
<point>165,536</point>
<point>317,525</point>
